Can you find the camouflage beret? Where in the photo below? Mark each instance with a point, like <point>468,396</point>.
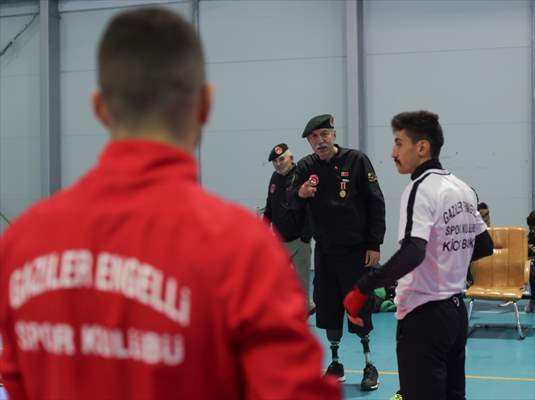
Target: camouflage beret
<point>277,151</point>
<point>319,122</point>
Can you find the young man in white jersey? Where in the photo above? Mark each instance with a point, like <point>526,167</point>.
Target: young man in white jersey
<point>440,233</point>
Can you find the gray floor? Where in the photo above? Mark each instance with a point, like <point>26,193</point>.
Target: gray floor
<point>499,366</point>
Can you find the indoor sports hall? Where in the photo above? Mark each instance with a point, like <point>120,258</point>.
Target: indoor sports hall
<point>274,65</point>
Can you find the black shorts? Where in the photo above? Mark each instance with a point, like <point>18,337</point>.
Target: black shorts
<point>335,276</point>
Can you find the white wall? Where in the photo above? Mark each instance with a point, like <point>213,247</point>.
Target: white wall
<point>20,156</point>
<point>274,64</point>
<point>469,62</point>
<point>82,23</point>
<point>82,138</point>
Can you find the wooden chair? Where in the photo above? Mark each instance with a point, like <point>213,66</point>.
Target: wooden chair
<point>503,275</point>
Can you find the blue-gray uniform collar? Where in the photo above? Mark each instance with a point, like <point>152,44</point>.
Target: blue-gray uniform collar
<point>429,164</point>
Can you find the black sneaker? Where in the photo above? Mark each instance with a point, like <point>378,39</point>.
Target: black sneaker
<point>369,378</point>
<point>336,369</point>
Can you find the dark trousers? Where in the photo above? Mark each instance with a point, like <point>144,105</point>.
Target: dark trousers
<point>431,343</point>
<point>532,278</point>
<point>335,276</point>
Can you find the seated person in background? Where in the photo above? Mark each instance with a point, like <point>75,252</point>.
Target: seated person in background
<point>483,209</point>
<point>530,220</point>
<point>530,307</point>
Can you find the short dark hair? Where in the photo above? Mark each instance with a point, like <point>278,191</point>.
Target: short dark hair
<point>150,65</point>
<point>421,125</point>
<point>530,220</point>
<point>482,206</point>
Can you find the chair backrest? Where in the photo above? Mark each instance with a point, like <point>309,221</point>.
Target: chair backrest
<point>505,267</point>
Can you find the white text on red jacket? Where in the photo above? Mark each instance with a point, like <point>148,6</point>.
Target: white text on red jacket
<point>106,272</point>
<point>96,340</point>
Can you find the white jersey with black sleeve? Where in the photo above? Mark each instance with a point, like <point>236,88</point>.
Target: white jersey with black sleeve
<point>441,209</point>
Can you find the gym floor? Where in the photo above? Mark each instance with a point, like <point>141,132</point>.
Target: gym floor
<point>499,366</point>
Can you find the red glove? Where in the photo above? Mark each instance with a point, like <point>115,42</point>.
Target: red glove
<point>353,303</point>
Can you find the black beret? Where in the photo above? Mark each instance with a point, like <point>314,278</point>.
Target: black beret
<point>319,122</point>
<point>277,151</point>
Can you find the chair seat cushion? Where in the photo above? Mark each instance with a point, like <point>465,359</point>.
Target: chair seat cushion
<point>495,293</point>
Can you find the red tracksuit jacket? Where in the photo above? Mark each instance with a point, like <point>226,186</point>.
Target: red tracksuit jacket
<point>137,284</point>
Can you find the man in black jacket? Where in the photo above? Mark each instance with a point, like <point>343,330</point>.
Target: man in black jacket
<point>340,188</point>
<point>292,225</point>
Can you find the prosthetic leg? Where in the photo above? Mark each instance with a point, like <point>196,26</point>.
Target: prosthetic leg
<point>370,375</point>
<point>335,368</point>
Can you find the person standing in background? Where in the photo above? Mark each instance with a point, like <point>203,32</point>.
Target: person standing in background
<point>292,225</point>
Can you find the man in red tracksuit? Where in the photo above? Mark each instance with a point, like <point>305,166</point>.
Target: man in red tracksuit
<point>135,283</point>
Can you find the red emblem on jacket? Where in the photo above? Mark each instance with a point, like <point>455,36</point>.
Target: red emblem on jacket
<point>272,188</point>
<point>313,180</point>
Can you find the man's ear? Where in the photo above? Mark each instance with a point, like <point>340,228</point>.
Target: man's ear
<point>100,109</point>
<point>423,148</point>
<point>207,94</point>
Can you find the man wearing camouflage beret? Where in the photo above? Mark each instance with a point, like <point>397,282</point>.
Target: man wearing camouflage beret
<point>347,213</point>
<point>292,225</point>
